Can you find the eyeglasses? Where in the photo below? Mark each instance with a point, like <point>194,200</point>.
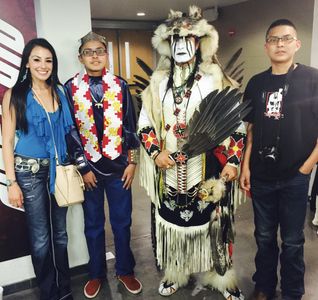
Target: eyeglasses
<point>285,39</point>
<point>90,52</point>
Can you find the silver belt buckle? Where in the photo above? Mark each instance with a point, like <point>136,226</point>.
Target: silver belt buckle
<point>35,167</point>
<point>18,160</point>
<point>45,162</point>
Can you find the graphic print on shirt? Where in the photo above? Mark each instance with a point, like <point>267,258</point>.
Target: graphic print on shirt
<point>274,104</point>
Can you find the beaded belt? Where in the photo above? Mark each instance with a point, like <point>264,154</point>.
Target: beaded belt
<point>23,163</point>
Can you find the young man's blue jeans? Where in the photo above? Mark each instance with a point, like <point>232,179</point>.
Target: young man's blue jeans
<point>120,208</point>
<point>280,203</point>
<point>47,233</point>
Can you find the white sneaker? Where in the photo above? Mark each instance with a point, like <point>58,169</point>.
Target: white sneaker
<point>167,289</point>
<point>233,295</point>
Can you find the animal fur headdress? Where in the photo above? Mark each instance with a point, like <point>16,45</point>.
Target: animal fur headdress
<point>181,24</point>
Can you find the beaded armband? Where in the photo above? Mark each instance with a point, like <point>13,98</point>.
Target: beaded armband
<point>236,147</point>
<point>149,141</point>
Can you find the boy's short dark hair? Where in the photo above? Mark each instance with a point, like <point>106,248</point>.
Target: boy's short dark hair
<point>279,22</point>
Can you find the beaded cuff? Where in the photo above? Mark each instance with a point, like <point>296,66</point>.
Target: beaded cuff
<point>236,147</point>
<point>150,142</point>
<point>133,156</point>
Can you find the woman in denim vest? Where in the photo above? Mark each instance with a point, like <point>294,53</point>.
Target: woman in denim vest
<point>30,165</point>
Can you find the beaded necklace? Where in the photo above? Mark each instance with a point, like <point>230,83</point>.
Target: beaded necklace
<point>180,126</point>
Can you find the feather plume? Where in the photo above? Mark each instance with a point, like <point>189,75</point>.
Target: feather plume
<point>144,66</point>
<point>139,85</point>
<point>237,73</point>
<point>233,60</point>
<point>240,80</point>
<point>239,67</point>
<point>142,80</point>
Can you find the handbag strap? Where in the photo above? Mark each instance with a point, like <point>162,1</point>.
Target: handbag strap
<point>49,120</point>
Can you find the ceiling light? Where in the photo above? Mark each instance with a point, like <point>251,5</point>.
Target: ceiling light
<point>141,14</point>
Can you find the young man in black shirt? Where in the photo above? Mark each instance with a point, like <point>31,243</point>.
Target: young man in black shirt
<point>280,153</point>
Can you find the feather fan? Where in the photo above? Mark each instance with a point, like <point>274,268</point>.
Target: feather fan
<point>217,117</point>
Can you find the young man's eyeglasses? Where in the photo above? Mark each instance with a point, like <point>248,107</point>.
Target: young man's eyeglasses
<point>90,52</point>
<point>285,39</point>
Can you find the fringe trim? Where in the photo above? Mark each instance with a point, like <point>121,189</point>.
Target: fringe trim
<point>221,283</point>
<point>185,250</point>
<point>315,219</point>
<point>238,196</point>
<point>147,176</point>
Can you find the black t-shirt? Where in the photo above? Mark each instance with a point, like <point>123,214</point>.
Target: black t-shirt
<point>284,107</point>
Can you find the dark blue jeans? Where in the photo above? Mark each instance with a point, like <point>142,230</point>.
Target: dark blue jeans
<point>120,208</point>
<point>280,203</point>
<point>47,233</point>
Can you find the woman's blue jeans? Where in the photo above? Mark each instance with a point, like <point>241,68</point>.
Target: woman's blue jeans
<point>47,234</point>
<point>280,203</point>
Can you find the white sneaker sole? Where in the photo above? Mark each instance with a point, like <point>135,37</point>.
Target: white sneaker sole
<point>91,296</point>
<point>135,292</point>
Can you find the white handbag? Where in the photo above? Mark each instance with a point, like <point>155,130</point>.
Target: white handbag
<point>69,185</point>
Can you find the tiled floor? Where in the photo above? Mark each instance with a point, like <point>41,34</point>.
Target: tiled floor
<point>146,271</point>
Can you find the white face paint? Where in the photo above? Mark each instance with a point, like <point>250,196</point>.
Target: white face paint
<point>182,49</point>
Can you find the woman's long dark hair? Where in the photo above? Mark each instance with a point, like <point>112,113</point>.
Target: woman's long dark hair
<point>24,82</point>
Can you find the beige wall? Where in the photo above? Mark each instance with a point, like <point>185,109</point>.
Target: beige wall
<point>250,21</point>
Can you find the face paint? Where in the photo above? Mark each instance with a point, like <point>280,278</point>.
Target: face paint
<point>182,49</point>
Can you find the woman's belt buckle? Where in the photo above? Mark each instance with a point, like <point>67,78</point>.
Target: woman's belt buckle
<point>44,162</point>
<point>35,166</point>
<point>18,160</point>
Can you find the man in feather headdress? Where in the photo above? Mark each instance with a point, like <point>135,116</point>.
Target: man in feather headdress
<point>191,194</point>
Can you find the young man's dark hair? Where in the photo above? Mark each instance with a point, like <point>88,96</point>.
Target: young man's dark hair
<point>279,22</point>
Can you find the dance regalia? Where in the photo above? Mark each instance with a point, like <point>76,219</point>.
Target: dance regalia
<point>192,234</point>
<point>182,218</point>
